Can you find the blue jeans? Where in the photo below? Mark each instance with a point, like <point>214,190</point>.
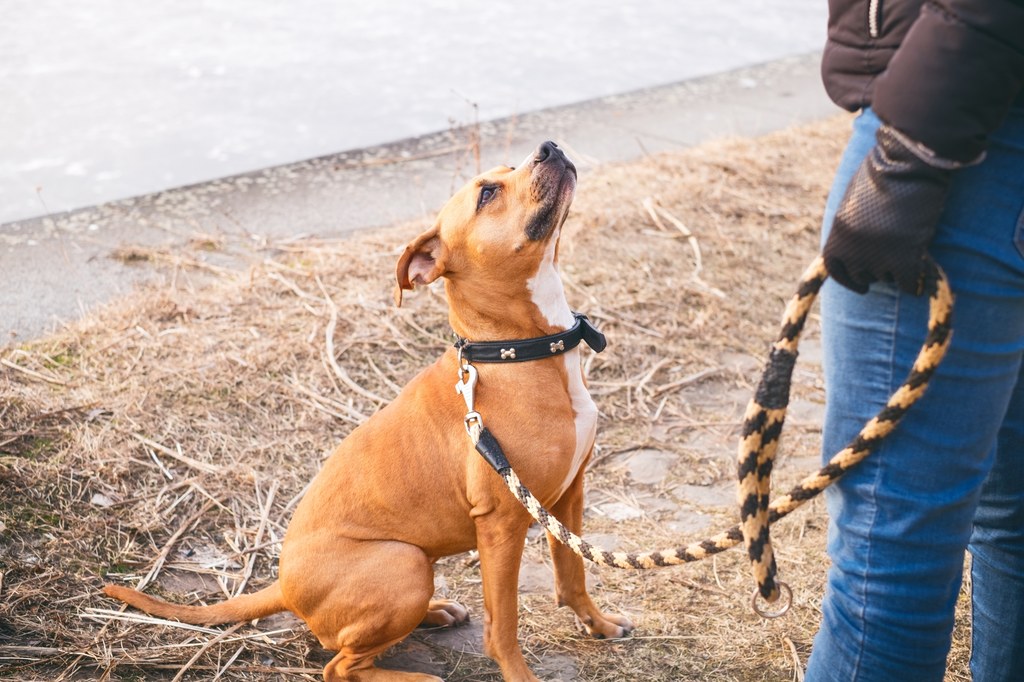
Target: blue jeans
<point>952,475</point>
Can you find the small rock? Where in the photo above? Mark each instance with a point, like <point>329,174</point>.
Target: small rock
<point>618,511</point>
<point>717,495</point>
<point>653,504</point>
<point>649,466</point>
<point>744,364</point>
<point>101,500</point>
<point>688,522</point>
<point>806,412</point>
<point>711,444</point>
<point>535,578</point>
<point>606,541</point>
<point>557,668</point>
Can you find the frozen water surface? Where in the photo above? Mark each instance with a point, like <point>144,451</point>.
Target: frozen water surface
<point>114,98</point>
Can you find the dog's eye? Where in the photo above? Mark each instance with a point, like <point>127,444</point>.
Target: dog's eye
<point>487,193</point>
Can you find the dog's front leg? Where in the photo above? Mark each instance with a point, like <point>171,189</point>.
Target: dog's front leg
<point>500,538</point>
<point>570,575</point>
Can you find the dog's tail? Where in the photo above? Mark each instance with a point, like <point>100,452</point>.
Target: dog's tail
<point>243,607</point>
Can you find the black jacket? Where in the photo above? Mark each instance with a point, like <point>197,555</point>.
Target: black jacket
<point>944,72</point>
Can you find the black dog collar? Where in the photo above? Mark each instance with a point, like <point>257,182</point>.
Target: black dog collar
<point>521,350</point>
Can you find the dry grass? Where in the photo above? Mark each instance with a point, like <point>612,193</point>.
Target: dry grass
<point>167,437</point>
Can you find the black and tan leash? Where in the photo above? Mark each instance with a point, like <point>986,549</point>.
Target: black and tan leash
<point>762,427</point>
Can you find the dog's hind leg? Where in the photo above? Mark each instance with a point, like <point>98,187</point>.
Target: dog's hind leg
<point>359,598</point>
<point>342,668</point>
<point>570,576</point>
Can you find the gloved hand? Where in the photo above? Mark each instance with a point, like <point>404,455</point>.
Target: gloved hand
<point>888,216</point>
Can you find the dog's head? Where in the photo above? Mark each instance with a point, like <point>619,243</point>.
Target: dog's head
<point>496,232</point>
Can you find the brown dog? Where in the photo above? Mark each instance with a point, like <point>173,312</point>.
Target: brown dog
<point>408,487</point>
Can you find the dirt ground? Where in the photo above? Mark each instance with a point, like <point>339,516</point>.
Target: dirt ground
<point>165,439</point>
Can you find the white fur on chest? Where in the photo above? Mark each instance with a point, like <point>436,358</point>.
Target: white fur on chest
<point>547,293</point>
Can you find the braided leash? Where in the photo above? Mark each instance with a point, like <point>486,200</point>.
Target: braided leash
<point>762,427</point>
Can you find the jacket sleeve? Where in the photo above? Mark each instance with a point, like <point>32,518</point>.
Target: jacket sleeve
<point>955,76</point>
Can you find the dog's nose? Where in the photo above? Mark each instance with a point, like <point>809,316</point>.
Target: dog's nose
<point>548,155</point>
<point>546,150</point>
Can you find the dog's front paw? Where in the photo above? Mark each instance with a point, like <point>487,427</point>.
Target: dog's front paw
<point>444,613</point>
<point>605,626</point>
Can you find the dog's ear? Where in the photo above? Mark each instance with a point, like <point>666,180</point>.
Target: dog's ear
<point>421,263</point>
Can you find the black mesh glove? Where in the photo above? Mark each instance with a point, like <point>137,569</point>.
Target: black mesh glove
<point>888,216</point>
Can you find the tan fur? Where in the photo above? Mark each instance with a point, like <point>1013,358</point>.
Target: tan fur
<point>407,487</point>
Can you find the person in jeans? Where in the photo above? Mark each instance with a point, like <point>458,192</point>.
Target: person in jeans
<point>935,165</point>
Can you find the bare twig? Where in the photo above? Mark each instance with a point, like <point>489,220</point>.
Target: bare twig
<point>390,384</point>
<point>339,371</point>
<point>654,210</point>
<point>27,653</point>
<point>334,408</point>
<point>160,465</point>
<point>162,556</point>
<point>798,668</point>
<point>178,455</point>
<point>32,373</point>
<point>264,514</point>
<point>689,380</point>
<point>224,668</point>
<point>291,286</point>
<point>642,383</point>
<point>203,649</point>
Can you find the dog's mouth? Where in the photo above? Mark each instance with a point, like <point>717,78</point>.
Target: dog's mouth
<point>554,184</point>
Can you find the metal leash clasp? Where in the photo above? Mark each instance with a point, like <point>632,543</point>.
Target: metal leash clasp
<point>465,387</point>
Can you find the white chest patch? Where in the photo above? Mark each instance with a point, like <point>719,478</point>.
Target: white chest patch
<point>547,293</point>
